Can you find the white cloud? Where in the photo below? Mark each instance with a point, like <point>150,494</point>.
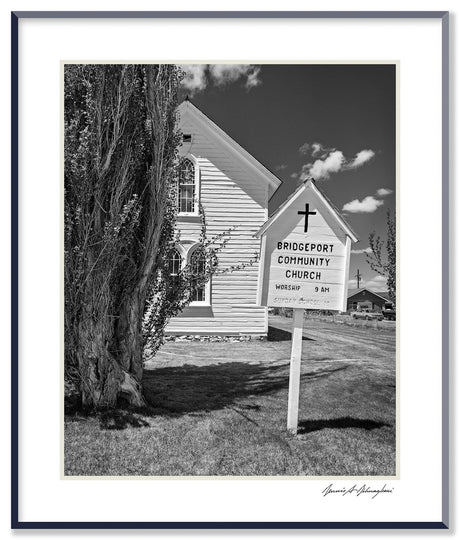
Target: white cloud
<point>317,148</point>
<point>360,159</point>
<point>377,283</point>
<point>281,167</point>
<point>323,168</point>
<point>253,79</point>
<point>199,76</point>
<point>331,160</point>
<point>361,251</point>
<point>225,73</point>
<point>222,74</point>
<point>195,77</point>
<point>382,192</point>
<point>295,175</point>
<point>368,205</point>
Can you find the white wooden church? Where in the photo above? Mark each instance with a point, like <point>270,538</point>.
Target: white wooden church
<point>233,189</point>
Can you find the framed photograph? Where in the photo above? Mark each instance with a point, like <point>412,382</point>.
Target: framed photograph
<point>216,285</point>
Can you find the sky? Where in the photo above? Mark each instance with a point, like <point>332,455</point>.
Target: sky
<point>336,123</point>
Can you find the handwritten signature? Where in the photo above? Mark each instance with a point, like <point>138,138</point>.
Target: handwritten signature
<point>356,490</point>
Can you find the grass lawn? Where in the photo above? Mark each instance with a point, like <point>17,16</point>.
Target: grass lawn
<point>220,409</point>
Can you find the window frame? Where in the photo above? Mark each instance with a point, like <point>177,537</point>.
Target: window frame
<point>197,186</point>
<point>207,285</point>
<point>181,259</point>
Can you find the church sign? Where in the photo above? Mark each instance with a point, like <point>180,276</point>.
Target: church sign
<point>305,259</point>
<point>305,254</point>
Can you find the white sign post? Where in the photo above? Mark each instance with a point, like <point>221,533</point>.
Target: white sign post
<point>305,258</point>
<point>294,372</point>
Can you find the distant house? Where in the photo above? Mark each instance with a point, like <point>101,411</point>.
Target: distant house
<point>366,299</point>
<point>233,189</point>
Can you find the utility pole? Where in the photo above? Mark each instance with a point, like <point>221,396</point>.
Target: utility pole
<point>358,277</point>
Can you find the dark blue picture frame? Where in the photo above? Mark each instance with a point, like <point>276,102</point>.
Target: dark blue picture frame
<point>444,16</point>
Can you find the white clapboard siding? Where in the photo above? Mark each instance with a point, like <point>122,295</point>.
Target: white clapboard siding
<point>233,197</point>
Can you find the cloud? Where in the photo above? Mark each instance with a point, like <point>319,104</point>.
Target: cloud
<point>223,74</point>
<point>195,77</point>
<point>317,148</point>
<point>382,192</point>
<point>200,76</point>
<point>323,168</point>
<point>281,167</point>
<point>360,159</point>
<point>361,251</point>
<point>330,160</point>
<point>377,283</point>
<point>295,175</point>
<point>304,149</point>
<point>368,205</point>
<point>253,79</point>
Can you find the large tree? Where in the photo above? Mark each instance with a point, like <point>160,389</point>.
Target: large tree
<point>385,265</point>
<point>121,153</point>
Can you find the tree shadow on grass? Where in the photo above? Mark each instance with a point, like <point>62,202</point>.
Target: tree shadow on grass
<point>277,334</point>
<point>190,389</point>
<point>309,426</point>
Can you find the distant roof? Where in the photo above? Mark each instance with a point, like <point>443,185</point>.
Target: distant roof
<point>382,294</point>
<point>273,181</point>
<point>309,183</point>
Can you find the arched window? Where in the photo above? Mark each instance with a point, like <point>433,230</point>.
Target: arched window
<point>198,269</point>
<point>188,193</point>
<point>175,264</point>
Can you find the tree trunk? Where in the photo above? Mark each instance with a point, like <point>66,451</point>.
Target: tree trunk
<point>104,379</point>
<point>128,337</point>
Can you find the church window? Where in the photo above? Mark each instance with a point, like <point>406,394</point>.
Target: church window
<point>188,187</point>
<point>197,270</point>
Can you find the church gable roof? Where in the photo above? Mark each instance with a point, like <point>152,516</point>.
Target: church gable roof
<point>187,108</point>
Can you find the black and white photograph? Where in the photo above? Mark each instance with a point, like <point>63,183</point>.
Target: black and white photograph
<point>230,302</point>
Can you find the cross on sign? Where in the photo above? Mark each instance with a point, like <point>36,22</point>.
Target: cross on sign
<point>306,213</point>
